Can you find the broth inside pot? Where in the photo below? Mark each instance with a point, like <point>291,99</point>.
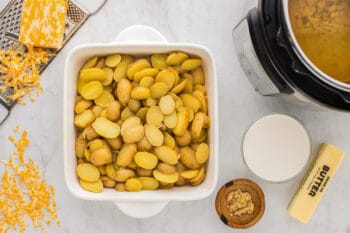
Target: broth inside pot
<point>322,29</point>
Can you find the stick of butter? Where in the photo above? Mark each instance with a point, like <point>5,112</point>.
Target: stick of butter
<point>315,183</point>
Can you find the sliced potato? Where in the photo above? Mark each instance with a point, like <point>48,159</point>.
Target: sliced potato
<point>166,154</point>
<point>166,178</point>
<point>154,116</point>
<point>93,74</point>
<point>176,58</point>
<point>84,119</point>
<point>95,187</point>
<point>104,99</point>
<point>136,66</point>
<point>126,155</point>
<point>88,172</point>
<point>82,105</point>
<point>167,104</point>
<point>183,120</point>
<point>159,61</point>
<point>189,174</point>
<point>106,128</point>
<point>191,64</point>
<point>158,90</point>
<point>101,156</point>
<point>133,185</point>
<point>113,60</point>
<point>92,90</point>
<point>146,160</point>
<point>154,135</point>
<point>202,153</point>
<point>148,183</point>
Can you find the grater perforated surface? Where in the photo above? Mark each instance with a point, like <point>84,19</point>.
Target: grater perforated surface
<point>10,18</point>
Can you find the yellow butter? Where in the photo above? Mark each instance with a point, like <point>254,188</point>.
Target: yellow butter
<point>315,183</point>
<point>43,23</point>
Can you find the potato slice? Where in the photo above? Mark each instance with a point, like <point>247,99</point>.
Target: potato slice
<point>167,104</point>
<point>152,72</point>
<point>180,87</point>
<point>166,168</point>
<point>126,155</point>
<point>191,64</point>
<point>136,66</point>
<point>154,116</point>
<point>88,172</point>
<point>191,102</point>
<point>148,183</point>
<point>154,135</point>
<point>202,153</point>
<point>198,75</point>
<point>158,90</point>
<point>159,61</point>
<point>101,156</point>
<point>109,76</point>
<point>106,128</point>
<point>197,125</point>
<point>140,93</point>
<point>123,91</point>
<point>133,185</point>
<point>169,140</point>
<point>95,187</point>
<point>166,154</point>
<point>120,71</point>
<point>167,76</point>
<point>92,90</point>
<point>84,119</point>
<point>104,99</point>
<point>176,58</point>
<point>113,111</point>
<point>147,81</point>
<point>113,60</point>
<point>189,174</point>
<point>93,74</point>
<point>146,160</point>
<point>183,120</point>
<point>90,63</point>
<point>82,105</point>
<point>187,157</point>
<point>166,178</point>
<point>170,120</point>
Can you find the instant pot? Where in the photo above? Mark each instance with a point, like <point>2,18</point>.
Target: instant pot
<point>274,63</point>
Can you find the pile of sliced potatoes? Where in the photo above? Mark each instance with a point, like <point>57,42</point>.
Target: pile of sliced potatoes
<point>142,122</point>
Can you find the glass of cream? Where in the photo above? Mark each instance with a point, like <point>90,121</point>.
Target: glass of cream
<point>276,147</point>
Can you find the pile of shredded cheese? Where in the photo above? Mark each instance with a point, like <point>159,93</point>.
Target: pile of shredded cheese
<point>24,195</point>
<point>19,70</point>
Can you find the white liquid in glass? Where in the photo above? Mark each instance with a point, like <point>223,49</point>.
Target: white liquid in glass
<point>276,147</point>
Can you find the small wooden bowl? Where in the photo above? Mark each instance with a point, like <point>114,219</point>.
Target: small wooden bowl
<point>246,220</point>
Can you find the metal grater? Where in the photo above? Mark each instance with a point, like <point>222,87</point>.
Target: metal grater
<point>10,18</point>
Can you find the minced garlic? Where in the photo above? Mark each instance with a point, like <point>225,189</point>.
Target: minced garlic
<point>24,194</point>
<point>239,203</point>
<point>19,70</point>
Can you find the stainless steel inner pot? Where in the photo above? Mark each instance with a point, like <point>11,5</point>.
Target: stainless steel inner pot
<point>302,56</point>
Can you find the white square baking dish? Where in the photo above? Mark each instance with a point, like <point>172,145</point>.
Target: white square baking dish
<point>138,40</point>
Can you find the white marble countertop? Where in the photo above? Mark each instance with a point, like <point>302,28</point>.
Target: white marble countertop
<point>208,23</point>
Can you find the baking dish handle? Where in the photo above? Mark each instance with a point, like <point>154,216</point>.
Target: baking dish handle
<point>141,209</point>
<point>140,33</point>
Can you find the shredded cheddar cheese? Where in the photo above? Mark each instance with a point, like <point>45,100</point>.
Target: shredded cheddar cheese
<point>24,195</point>
<point>43,23</point>
<point>20,71</point>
